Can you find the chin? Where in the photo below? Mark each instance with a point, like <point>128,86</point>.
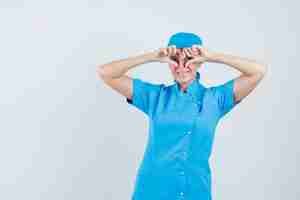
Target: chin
<point>184,79</point>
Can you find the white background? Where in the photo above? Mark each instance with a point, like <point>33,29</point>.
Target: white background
<point>63,136</point>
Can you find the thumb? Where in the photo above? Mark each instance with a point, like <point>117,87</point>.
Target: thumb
<point>189,62</point>
<point>172,62</point>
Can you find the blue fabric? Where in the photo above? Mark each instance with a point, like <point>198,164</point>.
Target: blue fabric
<point>181,133</point>
<point>184,40</point>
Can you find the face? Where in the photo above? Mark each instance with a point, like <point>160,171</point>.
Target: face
<point>181,73</point>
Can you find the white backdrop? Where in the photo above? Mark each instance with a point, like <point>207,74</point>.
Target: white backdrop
<point>65,137</point>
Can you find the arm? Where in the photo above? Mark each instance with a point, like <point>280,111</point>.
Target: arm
<point>113,73</point>
<point>252,73</point>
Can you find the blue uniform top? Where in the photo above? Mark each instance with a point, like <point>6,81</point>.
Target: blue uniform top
<point>181,132</point>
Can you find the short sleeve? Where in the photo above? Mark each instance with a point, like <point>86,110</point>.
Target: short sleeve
<point>225,97</point>
<point>145,95</point>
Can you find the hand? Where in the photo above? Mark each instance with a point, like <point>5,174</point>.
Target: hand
<point>164,55</point>
<point>199,55</point>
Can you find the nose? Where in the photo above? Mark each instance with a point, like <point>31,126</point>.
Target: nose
<point>182,68</point>
<point>181,60</point>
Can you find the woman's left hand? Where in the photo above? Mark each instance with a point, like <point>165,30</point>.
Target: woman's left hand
<point>199,54</point>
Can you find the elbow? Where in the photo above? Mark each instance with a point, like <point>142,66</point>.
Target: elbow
<point>262,71</point>
<point>100,72</point>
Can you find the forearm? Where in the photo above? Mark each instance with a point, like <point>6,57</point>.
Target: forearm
<point>244,65</point>
<point>116,69</point>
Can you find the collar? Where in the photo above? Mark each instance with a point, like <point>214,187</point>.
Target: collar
<point>194,89</point>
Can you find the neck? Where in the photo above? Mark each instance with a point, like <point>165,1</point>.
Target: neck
<point>183,86</point>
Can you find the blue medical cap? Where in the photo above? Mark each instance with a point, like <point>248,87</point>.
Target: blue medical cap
<point>184,40</point>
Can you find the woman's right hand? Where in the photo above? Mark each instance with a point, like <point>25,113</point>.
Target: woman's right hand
<point>164,55</point>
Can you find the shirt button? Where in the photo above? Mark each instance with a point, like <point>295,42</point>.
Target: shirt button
<point>182,172</point>
<point>189,132</point>
<point>181,193</point>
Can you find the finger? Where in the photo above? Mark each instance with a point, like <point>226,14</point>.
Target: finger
<point>191,52</point>
<point>174,50</point>
<point>198,49</point>
<point>161,52</point>
<point>166,52</point>
<point>172,62</point>
<point>194,49</point>
<point>188,63</point>
<point>187,53</point>
<point>170,49</point>
<point>181,53</point>
<point>198,46</point>
<point>169,60</point>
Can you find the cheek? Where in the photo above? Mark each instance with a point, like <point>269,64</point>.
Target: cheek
<point>173,67</point>
<point>192,67</point>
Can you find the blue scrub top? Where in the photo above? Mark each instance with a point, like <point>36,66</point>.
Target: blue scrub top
<point>175,164</point>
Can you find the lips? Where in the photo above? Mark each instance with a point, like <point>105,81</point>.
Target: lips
<point>182,74</point>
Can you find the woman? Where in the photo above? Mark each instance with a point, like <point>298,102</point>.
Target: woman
<point>182,116</point>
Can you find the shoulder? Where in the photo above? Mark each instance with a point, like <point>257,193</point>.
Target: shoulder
<point>221,89</point>
<point>168,87</point>
<point>147,85</point>
<point>212,94</point>
<point>212,90</point>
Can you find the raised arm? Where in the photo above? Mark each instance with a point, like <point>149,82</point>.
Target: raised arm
<point>113,73</point>
<point>252,73</point>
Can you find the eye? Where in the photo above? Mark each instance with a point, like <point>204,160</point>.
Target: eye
<point>174,58</point>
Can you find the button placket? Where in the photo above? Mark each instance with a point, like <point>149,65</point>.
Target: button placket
<point>184,155</point>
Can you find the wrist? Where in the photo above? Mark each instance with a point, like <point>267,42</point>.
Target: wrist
<point>213,57</point>
<point>151,56</point>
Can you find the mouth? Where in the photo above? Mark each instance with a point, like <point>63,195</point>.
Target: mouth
<point>182,74</point>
